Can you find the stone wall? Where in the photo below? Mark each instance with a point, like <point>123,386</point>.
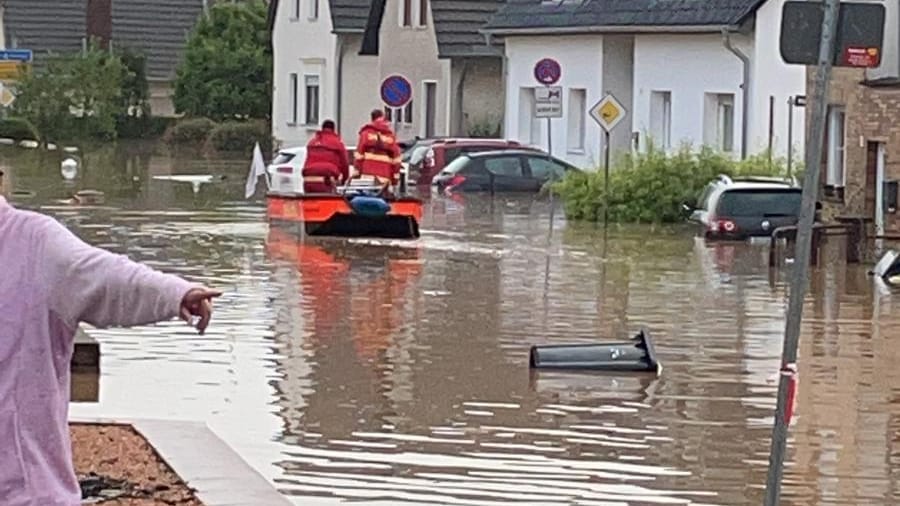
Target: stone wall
<point>872,115</point>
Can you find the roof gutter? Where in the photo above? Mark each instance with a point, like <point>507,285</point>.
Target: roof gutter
<point>745,88</point>
<point>580,30</point>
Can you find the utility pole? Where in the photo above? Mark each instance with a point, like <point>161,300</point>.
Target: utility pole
<point>800,276</point>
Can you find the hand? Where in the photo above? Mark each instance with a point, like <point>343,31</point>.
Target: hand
<point>198,302</point>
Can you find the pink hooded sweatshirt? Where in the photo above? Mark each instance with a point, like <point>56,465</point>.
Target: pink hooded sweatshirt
<point>49,282</point>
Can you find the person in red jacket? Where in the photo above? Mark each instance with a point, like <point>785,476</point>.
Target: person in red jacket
<point>377,153</point>
<point>326,163</point>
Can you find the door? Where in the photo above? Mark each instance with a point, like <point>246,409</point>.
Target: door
<point>430,109</point>
<point>509,175</point>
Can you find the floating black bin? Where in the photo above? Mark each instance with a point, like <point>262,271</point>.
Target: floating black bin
<point>636,355</point>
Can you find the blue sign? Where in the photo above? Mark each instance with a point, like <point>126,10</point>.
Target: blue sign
<point>547,71</point>
<point>23,55</point>
<point>396,91</point>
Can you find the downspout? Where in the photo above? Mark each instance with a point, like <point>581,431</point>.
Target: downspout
<point>339,87</point>
<point>745,108</point>
<point>460,95</point>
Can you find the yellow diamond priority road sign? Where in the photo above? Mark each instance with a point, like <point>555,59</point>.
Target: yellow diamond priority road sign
<point>6,96</point>
<point>608,112</point>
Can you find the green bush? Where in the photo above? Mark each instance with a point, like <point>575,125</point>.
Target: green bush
<point>190,131</point>
<point>238,137</point>
<point>486,128</point>
<point>142,127</point>
<point>652,187</point>
<point>18,129</point>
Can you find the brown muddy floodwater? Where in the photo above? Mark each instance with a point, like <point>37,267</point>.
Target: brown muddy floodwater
<point>396,373</point>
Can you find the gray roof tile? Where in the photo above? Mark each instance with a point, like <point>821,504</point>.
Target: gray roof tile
<point>28,25</point>
<point>457,24</point>
<point>349,15</point>
<point>525,14</point>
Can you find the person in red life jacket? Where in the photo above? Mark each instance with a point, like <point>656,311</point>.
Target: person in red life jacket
<point>326,163</point>
<point>377,153</point>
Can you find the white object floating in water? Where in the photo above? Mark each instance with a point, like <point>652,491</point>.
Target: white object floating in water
<point>69,169</point>
<point>7,141</point>
<point>29,144</point>
<point>70,149</point>
<point>195,180</point>
<point>51,147</point>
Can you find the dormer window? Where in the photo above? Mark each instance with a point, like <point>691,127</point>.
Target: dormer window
<point>413,13</point>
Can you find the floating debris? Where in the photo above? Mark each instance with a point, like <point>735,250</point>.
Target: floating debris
<point>70,149</point>
<point>52,147</point>
<point>69,169</point>
<point>7,142</point>
<point>30,144</point>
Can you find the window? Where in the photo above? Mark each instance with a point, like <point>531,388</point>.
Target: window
<point>576,117</point>
<point>529,126</point>
<point>408,113</point>
<point>430,109</point>
<point>406,14</point>
<point>295,98</point>
<point>295,15</point>
<point>509,166</point>
<point>763,203</point>
<point>718,121</point>
<point>544,169</point>
<point>312,99</point>
<point>313,9</point>
<point>661,118</point>
<point>388,114</point>
<point>835,144</point>
<point>423,12</point>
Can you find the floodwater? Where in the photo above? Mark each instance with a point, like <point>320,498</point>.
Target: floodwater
<point>396,373</point>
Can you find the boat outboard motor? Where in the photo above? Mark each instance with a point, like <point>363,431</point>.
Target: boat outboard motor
<point>636,355</point>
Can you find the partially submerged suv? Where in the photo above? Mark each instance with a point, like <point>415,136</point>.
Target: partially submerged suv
<point>738,209</point>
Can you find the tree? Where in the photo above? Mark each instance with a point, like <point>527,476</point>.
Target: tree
<point>73,96</point>
<point>226,71</point>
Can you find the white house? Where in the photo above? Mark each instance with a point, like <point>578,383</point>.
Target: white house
<point>680,68</point>
<point>318,72</point>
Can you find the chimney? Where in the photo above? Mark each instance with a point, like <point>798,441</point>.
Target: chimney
<point>99,21</point>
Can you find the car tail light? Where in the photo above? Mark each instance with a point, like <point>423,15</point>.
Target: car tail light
<point>456,181</point>
<point>726,226</point>
<point>285,169</point>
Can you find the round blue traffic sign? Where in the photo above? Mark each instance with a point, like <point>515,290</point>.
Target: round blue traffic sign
<point>547,71</point>
<point>396,91</point>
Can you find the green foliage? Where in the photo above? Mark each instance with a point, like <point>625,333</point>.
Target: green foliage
<point>190,131</point>
<point>651,187</point>
<point>75,96</point>
<point>239,136</point>
<point>18,129</point>
<point>226,71</point>
<point>485,128</point>
<point>142,127</point>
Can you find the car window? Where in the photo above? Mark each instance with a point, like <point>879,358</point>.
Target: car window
<point>283,158</point>
<point>418,154</point>
<point>542,168</point>
<point>510,166</point>
<point>703,201</point>
<point>759,202</point>
<point>456,165</point>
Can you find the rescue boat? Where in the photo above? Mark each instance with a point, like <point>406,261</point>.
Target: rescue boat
<point>361,209</point>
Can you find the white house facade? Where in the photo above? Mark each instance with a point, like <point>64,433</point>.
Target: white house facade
<point>316,63</point>
<point>680,77</point>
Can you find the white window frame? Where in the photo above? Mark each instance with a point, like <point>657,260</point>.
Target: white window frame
<point>724,141</point>
<point>665,127</point>
<point>576,124</point>
<point>401,19</point>
<point>294,90</point>
<point>307,119</point>
<point>313,10</point>
<point>836,166</point>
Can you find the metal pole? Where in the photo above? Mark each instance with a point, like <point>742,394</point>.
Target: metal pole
<point>800,274</point>
<point>550,164</point>
<point>771,126</point>
<point>790,137</point>
<point>605,177</point>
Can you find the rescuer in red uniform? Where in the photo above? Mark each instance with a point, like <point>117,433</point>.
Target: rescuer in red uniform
<point>326,163</point>
<point>377,152</point>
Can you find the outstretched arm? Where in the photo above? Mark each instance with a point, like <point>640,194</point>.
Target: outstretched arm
<point>88,284</point>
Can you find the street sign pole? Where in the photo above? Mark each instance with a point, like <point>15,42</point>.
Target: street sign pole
<point>605,178</point>
<point>790,137</point>
<point>800,276</point>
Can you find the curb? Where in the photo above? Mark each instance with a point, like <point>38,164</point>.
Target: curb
<point>219,476</point>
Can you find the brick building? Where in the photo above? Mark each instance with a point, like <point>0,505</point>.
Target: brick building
<point>862,140</point>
